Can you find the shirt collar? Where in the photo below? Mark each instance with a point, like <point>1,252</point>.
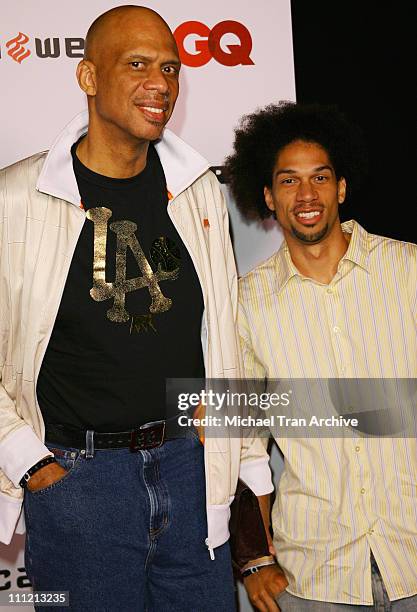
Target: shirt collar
<point>284,267</point>
<point>357,252</point>
<point>358,249</point>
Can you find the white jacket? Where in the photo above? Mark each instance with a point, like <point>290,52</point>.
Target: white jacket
<point>40,222</point>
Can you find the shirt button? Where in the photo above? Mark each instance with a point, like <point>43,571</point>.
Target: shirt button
<point>336,329</point>
<point>371,531</point>
<point>362,491</point>
<point>357,449</point>
<point>330,290</point>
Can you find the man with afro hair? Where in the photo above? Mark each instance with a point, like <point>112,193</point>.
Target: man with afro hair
<point>334,302</point>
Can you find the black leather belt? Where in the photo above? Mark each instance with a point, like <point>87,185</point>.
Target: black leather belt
<point>147,436</point>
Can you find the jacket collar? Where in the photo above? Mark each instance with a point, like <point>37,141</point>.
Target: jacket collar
<point>181,163</point>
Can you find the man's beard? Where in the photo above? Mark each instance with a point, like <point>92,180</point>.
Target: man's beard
<point>310,238</point>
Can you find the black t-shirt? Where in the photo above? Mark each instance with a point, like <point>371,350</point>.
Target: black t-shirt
<point>130,315</point>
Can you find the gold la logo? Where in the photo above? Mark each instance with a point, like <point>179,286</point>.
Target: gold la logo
<point>126,237</point>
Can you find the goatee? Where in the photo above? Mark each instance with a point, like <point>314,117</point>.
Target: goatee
<point>310,238</point>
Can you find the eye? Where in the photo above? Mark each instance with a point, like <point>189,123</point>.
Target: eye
<point>171,70</point>
<point>321,178</point>
<point>288,181</point>
<point>136,65</point>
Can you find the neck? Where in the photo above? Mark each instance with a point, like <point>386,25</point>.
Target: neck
<point>319,261</point>
<point>106,151</point>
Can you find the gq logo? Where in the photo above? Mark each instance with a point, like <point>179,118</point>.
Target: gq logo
<point>207,43</point>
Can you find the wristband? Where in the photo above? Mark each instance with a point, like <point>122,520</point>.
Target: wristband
<point>45,461</point>
<point>255,568</point>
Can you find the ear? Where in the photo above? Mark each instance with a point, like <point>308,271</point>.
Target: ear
<point>268,199</point>
<point>341,190</point>
<point>86,77</point>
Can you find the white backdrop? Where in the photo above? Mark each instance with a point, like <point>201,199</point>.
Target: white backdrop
<point>40,44</point>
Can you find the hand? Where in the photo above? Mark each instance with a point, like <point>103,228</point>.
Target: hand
<point>46,476</point>
<point>264,586</point>
<point>200,413</point>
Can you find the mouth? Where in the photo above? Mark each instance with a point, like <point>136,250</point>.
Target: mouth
<point>155,114</point>
<point>308,217</point>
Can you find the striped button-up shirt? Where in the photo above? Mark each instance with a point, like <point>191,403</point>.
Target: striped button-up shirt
<point>340,498</point>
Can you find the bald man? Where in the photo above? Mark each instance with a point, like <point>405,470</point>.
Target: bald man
<point>115,263</point>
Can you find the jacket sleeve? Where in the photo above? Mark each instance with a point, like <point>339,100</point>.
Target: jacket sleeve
<point>20,447</point>
<point>254,459</point>
<point>254,467</point>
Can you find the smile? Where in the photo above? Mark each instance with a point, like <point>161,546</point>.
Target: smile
<point>154,114</point>
<point>152,109</point>
<point>308,218</point>
<point>308,215</point>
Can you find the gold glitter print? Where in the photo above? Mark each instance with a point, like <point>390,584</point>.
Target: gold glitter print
<point>125,235</point>
<point>141,323</point>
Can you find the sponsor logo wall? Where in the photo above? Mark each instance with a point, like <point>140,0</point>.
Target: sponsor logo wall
<point>236,57</point>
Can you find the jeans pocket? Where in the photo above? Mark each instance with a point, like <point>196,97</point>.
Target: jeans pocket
<point>70,460</point>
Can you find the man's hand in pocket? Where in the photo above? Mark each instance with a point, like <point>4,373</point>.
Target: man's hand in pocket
<point>46,476</point>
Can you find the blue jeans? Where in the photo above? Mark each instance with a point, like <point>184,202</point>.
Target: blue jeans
<point>291,603</point>
<point>125,532</point>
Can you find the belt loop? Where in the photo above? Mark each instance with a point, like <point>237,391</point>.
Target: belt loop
<point>89,444</point>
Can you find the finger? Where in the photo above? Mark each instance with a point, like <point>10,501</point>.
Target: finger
<point>259,605</point>
<point>278,582</point>
<point>269,603</point>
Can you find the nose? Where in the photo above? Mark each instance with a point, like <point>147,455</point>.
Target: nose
<point>306,192</point>
<point>156,81</point>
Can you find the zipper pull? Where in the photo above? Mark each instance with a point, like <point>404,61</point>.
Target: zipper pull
<point>211,551</point>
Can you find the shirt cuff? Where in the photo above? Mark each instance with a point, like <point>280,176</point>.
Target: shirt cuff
<point>19,451</point>
<point>257,475</point>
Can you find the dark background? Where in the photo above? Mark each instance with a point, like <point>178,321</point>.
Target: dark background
<point>360,56</point>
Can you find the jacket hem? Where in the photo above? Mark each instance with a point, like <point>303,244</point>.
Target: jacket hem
<point>218,524</point>
<point>10,512</point>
